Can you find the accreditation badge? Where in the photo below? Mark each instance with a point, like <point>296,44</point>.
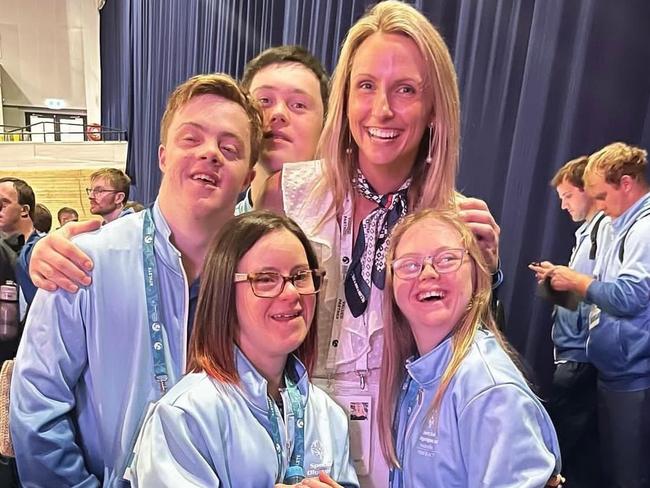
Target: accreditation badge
<point>359,410</point>
<point>594,316</point>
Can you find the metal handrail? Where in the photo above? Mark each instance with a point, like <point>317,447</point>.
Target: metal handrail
<point>25,133</point>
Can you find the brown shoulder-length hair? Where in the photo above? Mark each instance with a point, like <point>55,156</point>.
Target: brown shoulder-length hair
<point>216,326</point>
<point>399,343</point>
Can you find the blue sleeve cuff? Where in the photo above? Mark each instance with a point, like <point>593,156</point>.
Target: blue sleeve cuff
<point>497,278</point>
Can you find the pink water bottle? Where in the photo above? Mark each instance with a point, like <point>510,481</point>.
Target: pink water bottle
<point>9,314</point>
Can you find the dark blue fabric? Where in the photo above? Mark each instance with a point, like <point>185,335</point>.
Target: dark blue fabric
<point>194,299</point>
<point>147,49</point>
<point>22,267</point>
<point>541,82</point>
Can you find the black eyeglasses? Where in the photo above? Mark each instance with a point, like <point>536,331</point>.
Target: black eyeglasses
<point>269,284</point>
<point>447,261</point>
<point>99,191</point>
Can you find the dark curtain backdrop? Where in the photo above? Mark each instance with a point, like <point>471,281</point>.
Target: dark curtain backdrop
<point>542,81</point>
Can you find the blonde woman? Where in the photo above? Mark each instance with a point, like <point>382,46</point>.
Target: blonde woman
<point>454,410</point>
<point>389,147</point>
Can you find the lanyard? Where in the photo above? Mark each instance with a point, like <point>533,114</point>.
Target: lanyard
<point>410,397</point>
<point>340,303</point>
<point>156,325</point>
<point>295,472</point>
<point>346,225</point>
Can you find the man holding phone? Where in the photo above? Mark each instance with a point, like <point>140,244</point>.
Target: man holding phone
<point>573,403</point>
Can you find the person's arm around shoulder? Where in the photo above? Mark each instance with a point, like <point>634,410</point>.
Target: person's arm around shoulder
<point>58,263</point>
<point>171,452</point>
<point>51,359</point>
<point>507,440</point>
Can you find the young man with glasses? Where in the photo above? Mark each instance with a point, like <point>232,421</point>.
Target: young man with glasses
<point>108,193</point>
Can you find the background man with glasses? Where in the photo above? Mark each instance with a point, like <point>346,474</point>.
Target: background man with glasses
<point>108,193</point>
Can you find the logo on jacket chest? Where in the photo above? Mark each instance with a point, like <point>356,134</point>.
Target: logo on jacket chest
<point>427,443</point>
<point>321,459</point>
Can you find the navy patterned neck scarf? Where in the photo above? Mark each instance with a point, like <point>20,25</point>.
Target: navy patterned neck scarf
<point>368,263</point>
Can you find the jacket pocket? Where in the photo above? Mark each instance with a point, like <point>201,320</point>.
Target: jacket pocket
<point>620,347</point>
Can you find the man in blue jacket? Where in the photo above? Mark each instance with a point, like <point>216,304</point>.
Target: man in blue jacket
<point>619,320</point>
<point>572,403</point>
<point>90,362</point>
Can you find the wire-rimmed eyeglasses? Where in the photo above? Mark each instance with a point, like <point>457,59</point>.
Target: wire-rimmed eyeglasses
<point>446,261</point>
<point>269,284</point>
<point>98,191</point>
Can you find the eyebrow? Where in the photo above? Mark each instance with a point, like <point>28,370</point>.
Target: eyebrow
<point>271,269</point>
<point>294,90</point>
<point>222,133</point>
<point>417,81</point>
<point>431,253</point>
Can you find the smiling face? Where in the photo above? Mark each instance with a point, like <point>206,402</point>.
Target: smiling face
<point>574,200</point>
<point>290,97</point>
<point>389,103</point>
<point>205,158</point>
<point>272,328</point>
<point>432,303</point>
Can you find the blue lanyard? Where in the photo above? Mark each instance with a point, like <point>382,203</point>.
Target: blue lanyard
<point>154,314</point>
<point>295,471</point>
<point>396,476</point>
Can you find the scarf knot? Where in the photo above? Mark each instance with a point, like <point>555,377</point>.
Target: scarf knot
<point>368,260</point>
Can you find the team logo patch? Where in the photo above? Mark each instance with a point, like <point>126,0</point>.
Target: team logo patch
<point>317,449</point>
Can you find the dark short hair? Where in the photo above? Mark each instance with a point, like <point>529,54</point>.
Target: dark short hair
<point>42,218</point>
<point>215,323</point>
<point>288,54</point>
<point>25,193</point>
<point>64,210</point>
<point>573,172</point>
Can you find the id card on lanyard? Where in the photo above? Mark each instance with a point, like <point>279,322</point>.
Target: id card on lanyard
<point>295,471</point>
<point>347,223</point>
<point>351,399</point>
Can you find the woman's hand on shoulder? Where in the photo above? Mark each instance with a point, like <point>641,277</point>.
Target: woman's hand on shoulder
<point>58,263</point>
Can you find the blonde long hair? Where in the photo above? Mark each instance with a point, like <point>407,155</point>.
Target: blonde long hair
<point>399,343</point>
<point>433,184</point>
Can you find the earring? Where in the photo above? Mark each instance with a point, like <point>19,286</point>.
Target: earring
<point>348,151</point>
<point>429,159</point>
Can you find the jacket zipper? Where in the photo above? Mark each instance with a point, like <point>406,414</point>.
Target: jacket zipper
<point>413,415</point>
